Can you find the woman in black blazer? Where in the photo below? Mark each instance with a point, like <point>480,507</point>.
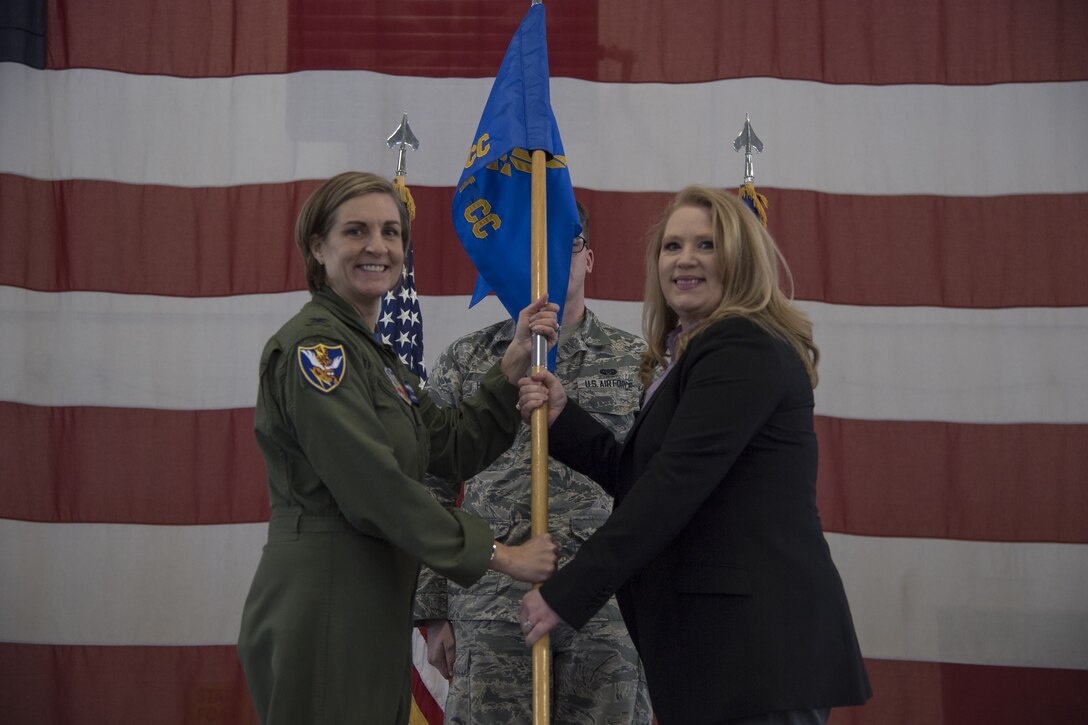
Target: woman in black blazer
<point>714,548</point>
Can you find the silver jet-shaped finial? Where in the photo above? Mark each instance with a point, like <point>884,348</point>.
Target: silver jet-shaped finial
<point>748,140</point>
<point>403,139</point>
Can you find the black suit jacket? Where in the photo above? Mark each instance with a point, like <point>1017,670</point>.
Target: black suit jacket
<point>714,548</point>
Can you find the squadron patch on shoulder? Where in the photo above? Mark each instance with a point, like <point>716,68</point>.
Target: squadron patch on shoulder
<point>322,366</point>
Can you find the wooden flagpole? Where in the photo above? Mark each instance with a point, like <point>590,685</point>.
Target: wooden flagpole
<point>542,656</point>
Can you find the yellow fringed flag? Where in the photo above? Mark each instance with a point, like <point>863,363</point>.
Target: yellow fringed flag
<point>748,142</point>
<point>754,199</point>
<point>406,196</point>
<point>400,322</point>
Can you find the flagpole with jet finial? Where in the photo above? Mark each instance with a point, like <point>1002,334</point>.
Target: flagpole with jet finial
<point>538,422</point>
<point>748,140</point>
<point>400,323</point>
<point>403,139</point>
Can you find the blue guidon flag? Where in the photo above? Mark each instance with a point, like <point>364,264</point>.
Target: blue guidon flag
<point>492,204</point>
<point>322,366</point>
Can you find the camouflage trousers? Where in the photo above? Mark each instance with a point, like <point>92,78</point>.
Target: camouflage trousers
<point>596,676</point>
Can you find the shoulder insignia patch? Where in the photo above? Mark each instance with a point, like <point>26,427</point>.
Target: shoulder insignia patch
<point>322,366</point>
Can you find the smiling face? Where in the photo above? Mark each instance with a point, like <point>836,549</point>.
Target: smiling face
<point>688,265</point>
<point>363,252</point>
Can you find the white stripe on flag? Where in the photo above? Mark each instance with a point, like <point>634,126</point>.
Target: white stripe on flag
<point>970,602</point>
<point>851,139</point>
<point>951,601</point>
<point>887,363</point>
<point>435,683</point>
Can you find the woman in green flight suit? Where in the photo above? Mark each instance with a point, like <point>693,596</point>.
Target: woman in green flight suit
<point>347,433</point>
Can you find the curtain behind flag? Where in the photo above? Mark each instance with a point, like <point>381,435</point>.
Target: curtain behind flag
<point>149,184</point>
<point>491,206</point>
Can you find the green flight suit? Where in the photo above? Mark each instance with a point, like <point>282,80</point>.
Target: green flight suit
<point>347,435</point>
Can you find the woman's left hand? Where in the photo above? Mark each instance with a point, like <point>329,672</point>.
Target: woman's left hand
<point>539,389</point>
<point>541,318</point>
<point>537,618</point>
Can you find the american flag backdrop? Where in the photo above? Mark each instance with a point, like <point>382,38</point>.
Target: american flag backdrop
<point>927,168</point>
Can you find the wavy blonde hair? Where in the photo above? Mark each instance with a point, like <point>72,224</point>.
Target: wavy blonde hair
<point>750,264</point>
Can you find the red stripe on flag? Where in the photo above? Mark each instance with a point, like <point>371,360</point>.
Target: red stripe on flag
<point>185,685</point>
<point>93,684</point>
<point>910,693</point>
<point>423,698</point>
<point>835,41</point>
<point>880,478</point>
<point>953,481</point>
<point>974,252</point>
<point>109,237</point>
<point>131,465</point>
<point>891,250</point>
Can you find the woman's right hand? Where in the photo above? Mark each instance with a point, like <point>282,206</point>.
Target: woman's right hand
<point>537,618</point>
<point>441,646</point>
<point>540,388</point>
<point>534,561</point>
<point>539,318</point>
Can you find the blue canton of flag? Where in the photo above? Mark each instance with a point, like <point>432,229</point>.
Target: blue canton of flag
<point>400,323</point>
<point>492,204</point>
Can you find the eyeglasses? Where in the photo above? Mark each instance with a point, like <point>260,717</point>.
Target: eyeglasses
<point>580,243</point>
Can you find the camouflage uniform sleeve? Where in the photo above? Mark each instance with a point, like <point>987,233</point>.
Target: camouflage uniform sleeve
<point>444,387</point>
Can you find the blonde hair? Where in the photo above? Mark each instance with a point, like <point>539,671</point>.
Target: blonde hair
<point>749,262</point>
<point>319,213</point>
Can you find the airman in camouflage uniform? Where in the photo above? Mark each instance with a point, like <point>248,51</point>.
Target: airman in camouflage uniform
<point>596,674</point>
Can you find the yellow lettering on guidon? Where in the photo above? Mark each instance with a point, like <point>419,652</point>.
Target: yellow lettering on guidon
<point>483,219</point>
<point>478,149</point>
